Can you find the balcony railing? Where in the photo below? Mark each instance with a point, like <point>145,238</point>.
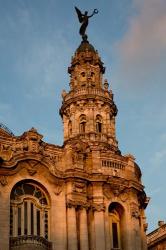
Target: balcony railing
<point>28,241</point>
<point>87,91</point>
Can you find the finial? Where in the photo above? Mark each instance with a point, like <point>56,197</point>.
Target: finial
<point>84,19</point>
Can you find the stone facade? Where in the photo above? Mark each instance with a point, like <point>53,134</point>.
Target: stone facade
<point>83,195</point>
<point>157,239</point>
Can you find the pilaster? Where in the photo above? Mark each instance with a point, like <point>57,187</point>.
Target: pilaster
<point>84,241</point>
<point>71,227</point>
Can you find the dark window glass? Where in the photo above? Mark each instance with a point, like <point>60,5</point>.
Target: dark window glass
<point>98,127</point>
<point>82,127</point>
<point>38,222</point>
<point>25,218</point>
<point>19,221</point>
<point>46,225</point>
<point>28,189</point>
<point>115,235</point>
<point>32,219</point>
<point>11,221</point>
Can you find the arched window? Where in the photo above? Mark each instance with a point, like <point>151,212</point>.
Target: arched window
<point>98,124</point>
<point>115,225</point>
<point>82,124</point>
<point>29,210</point>
<point>70,128</point>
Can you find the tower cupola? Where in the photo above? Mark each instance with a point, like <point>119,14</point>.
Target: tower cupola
<point>86,68</point>
<point>88,110</point>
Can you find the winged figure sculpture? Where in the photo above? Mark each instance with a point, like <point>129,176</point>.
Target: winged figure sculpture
<point>84,19</point>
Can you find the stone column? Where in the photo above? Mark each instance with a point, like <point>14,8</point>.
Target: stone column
<point>136,232</point>
<point>99,226</point>
<point>84,242</point>
<point>108,123</point>
<point>58,219</point>
<point>72,227</point>
<point>107,232</point>
<point>29,217</point>
<point>22,220</point>
<point>144,227</point>
<point>4,218</point>
<point>15,221</point>
<point>35,220</point>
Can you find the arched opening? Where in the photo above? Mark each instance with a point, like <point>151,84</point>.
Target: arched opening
<point>69,128</point>
<point>98,124</point>
<point>82,125</point>
<point>116,226</point>
<point>29,216</point>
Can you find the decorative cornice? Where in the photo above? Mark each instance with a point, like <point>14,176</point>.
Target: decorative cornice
<point>77,204</point>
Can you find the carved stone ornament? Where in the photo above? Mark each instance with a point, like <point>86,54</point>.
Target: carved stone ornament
<point>77,203</point>
<point>79,187</point>
<point>3,180</point>
<point>99,207</point>
<point>6,153</point>
<point>115,190</point>
<point>145,226</point>
<point>134,210</point>
<point>107,191</point>
<point>124,196</point>
<point>32,167</point>
<point>58,189</point>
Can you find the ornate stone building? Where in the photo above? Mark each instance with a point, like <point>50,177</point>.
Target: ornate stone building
<point>83,195</point>
<point>157,239</point>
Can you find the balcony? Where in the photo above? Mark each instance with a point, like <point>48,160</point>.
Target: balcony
<point>88,91</point>
<point>27,242</point>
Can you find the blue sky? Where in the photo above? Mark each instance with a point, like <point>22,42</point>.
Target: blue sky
<point>37,40</point>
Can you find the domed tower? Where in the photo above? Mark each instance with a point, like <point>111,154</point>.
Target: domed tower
<point>88,110</point>
<point>102,181</point>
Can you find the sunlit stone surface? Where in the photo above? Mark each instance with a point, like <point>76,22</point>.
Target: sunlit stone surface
<point>84,195</point>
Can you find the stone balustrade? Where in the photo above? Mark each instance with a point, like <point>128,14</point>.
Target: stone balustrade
<point>119,168</point>
<point>113,164</point>
<point>87,91</point>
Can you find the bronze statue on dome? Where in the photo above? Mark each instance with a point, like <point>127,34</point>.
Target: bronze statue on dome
<point>84,19</point>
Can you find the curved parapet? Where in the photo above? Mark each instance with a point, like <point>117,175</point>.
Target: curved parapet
<point>6,129</point>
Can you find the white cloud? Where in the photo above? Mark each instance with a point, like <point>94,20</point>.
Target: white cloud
<point>142,50</point>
